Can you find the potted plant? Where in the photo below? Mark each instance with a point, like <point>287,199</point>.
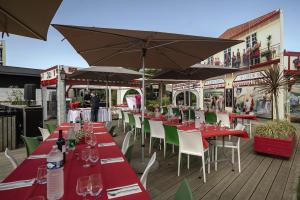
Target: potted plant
<point>275,138</point>
<point>268,53</point>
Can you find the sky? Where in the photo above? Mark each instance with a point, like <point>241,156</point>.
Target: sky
<point>195,17</point>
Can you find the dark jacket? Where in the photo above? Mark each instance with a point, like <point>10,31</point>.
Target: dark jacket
<point>95,102</point>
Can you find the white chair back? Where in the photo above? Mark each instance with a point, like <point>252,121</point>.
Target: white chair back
<point>137,121</point>
<point>156,129</point>
<point>12,160</point>
<point>145,174</point>
<point>119,112</point>
<point>240,126</point>
<point>126,141</point>
<point>45,133</point>
<point>126,118</point>
<point>190,143</point>
<point>224,118</point>
<point>200,115</point>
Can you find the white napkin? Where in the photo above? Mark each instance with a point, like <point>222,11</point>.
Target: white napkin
<point>123,191</point>
<point>99,133</point>
<point>16,184</point>
<point>111,160</point>
<point>107,144</point>
<point>37,156</point>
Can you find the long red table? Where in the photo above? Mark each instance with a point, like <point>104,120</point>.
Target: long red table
<point>113,174</point>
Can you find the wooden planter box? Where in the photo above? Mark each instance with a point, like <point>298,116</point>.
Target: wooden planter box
<point>274,146</point>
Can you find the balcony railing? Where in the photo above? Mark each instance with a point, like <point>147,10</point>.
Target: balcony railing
<point>250,58</point>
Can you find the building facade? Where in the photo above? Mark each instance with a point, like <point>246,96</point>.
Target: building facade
<point>2,53</point>
<point>262,47</point>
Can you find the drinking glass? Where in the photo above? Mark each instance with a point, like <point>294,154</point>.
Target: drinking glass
<point>95,186</point>
<point>94,155</point>
<point>85,154</point>
<point>82,187</point>
<point>41,177</point>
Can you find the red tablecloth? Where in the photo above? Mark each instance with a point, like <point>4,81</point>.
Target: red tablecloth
<point>114,175</point>
<point>241,116</point>
<point>214,131</point>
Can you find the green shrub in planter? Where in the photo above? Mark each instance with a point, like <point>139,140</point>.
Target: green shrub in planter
<point>276,129</point>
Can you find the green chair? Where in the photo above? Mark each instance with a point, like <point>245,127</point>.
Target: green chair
<point>128,153</point>
<point>176,111</point>
<point>31,143</point>
<point>146,127</point>
<point>192,114</point>
<point>131,120</point>
<point>171,137</point>
<point>210,118</point>
<point>51,127</point>
<point>184,191</point>
<point>164,110</point>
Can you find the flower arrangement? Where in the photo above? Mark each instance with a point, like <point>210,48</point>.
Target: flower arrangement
<point>276,129</point>
<point>79,135</point>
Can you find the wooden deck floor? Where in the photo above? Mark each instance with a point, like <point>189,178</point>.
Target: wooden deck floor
<point>262,177</point>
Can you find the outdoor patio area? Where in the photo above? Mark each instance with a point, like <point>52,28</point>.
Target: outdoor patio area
<point>262,176</point>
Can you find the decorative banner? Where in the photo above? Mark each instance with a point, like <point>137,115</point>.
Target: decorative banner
<point>214,99</point>
<point>295,103</point>
<point>249,99</point>
<point>187,86</point>
<point>229,97</point>
<point>254,78</point>
<point>49,76</point>
<point>215,83</point>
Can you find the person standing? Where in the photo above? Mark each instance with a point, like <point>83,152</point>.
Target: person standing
<point>95,102</point>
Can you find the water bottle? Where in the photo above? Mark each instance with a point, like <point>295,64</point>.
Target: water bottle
<point>55,174</point>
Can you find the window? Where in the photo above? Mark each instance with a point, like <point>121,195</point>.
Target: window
<point>251,40</point>
<point>254,39</point>
<point>248,41</point>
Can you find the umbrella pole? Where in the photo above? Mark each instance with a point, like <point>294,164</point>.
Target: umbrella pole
<point>143,104</point>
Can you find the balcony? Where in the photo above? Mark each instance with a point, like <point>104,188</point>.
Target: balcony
<point>252,57</point>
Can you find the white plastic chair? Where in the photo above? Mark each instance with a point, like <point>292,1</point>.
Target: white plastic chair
<point>199,115</point>
<point>125,120</point>
<point>10,157</point>
<point>145,174</point>
<point>156,131</point>
<point>126,141</point>
<point>138,124</point>
<point>45,133</point>
<point>224,118</point>
<point>233,143</point>
<point>190,143</point>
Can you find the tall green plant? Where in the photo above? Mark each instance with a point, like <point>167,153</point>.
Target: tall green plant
<point>273,81</point>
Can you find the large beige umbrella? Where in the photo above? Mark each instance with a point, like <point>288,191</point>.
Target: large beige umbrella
<point>30,18</point>
<point>140,49</point>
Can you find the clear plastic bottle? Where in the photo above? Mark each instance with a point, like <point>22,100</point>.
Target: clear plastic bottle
<point>55,174</point>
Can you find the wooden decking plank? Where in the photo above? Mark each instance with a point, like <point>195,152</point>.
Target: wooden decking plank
<point>278,186</point>
<point>236,186</point>
<point>263,187</point>
<point>290,191</point>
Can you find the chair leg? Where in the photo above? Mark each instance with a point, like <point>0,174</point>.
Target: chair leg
<point>203,169</point>
<point>188,161</point>
<point>239,159</point>
<point>208,164</point>
<point>150,146</point>
<point>250,127</point>
<point>165,148</point>
<point>216,158</point>
<point>173,148</point>
<point>160,144</point>
<point>179,161</point>
<point>232,160</point>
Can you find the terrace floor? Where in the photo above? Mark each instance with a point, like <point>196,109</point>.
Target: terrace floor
<point>262,177</point>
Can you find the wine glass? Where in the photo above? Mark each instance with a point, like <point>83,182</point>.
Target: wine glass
<point>82,187</point>
<point>85,154</point>
<point>95,186</point>
<point>94,156</point>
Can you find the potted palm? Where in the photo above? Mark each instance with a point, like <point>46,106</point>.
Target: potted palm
<point>277,137</point>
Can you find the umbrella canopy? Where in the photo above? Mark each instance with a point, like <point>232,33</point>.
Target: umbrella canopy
<point>117,47</point>
<point>195,72</point>
<point>112,74</point>
<point>30,18</point>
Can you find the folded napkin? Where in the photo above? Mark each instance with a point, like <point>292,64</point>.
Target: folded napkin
<point>99,133</point>
<point>16,184</point>
<point>111,160</point>
<point>37,156</point>
<point>107,144</point>
<point>52,139</point>
<point>123,191</point>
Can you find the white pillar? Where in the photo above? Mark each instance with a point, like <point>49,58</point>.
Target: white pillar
<point>201,103</point>
<point>109,94</point>
<point>61,98</point>
<point>44,102</point>
<point>184,97</point>
<point>119,97</point>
